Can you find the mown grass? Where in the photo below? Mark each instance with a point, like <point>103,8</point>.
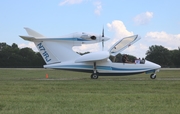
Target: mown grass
<point>29,92</point>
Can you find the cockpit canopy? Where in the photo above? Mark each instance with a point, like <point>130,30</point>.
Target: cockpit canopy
<point>123,44</point>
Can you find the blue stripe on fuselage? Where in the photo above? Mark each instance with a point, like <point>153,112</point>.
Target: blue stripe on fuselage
<point>127,69</point>
<point>103,68</point>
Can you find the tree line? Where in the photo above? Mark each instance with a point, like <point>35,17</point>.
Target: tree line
<point>163,56</point>
<point>14,57</point>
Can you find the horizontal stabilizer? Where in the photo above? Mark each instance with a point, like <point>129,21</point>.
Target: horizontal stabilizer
<point>29,38</point>
<point>33,33</point>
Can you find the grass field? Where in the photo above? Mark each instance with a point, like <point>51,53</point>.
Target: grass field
<point>24,91</point>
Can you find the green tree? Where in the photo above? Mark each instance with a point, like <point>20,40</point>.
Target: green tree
<point>175,54</point>
<point>12,56</point>
<point>159,55</point>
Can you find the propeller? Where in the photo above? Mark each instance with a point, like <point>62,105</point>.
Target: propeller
<point>103,39</point>
<point>103,32</point>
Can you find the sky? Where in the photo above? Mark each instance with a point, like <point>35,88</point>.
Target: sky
<point>156,21</point>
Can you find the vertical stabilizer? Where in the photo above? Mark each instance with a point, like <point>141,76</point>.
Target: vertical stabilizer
<point>46,53</point>
<point>55,52</point>
<point>52,50</point>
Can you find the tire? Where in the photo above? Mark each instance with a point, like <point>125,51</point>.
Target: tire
<point>153,76</point>
<point>94,76</point>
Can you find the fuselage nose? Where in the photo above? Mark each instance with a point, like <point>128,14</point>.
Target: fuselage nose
<point>158,66</point>
<point>153,65</point>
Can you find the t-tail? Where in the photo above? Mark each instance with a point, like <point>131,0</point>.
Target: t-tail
<point>52,50</point>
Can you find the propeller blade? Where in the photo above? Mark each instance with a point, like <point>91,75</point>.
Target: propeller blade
<point>102,39</point>
<point>103,45</point>
<point>103,32</point>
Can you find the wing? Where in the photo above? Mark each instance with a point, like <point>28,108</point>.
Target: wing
<point>94,56</point>
<point>123,44</point>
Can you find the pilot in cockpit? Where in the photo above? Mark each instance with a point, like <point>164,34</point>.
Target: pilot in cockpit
<point>125,59</point>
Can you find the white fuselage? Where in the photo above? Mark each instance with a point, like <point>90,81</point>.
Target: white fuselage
<point>107,67</point>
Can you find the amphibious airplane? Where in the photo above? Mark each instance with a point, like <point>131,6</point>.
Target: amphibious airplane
<point>58,54</point>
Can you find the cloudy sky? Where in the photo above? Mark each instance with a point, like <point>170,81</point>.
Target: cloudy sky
<point>156,21</point>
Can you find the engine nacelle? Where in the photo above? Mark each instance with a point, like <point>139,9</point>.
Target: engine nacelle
<point>93,37</point>
<point>88,37</point>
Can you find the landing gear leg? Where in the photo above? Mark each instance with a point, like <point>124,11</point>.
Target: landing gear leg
<point>153,76</point>
<point>94,75</point>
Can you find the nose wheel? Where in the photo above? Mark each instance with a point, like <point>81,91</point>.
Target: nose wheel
<point>153,76</point>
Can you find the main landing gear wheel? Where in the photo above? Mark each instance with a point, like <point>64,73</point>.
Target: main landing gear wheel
<point>153,76</point>
<point>94,76</point>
